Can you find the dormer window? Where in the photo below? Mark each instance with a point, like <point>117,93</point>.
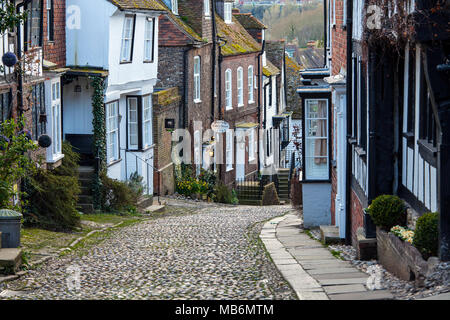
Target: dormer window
<point>206,8</point>
<point>228,6</point>
<point>175,6</point>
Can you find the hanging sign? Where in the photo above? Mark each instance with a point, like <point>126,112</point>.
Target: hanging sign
<point>220,126</point>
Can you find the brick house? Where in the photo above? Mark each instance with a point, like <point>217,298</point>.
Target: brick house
<point>240,94</point>
<point>37,92</point>
<point>188,62</point>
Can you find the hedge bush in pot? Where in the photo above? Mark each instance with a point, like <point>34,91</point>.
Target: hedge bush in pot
<point>387,211</point>
<point>426,237</point>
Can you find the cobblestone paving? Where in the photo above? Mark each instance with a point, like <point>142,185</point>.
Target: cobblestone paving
<point>212,252</point>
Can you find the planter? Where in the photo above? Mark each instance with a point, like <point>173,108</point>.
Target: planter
<point>400,258</point>
<point>370,230</point>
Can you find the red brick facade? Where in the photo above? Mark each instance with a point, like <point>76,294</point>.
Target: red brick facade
<point>357,217</point>
<point>339,40</point>
<point>55,51</point>
<point>248,113</point>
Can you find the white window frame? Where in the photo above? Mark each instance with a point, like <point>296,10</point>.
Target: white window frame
<point>149,39</point>
<point>240,86</point>
<point>175,7</point>
<point>127,39</point>
<point>251,92</point>
<point>229,149</point>
<point>308,137</point>
<point>146,121</point>
<point>56,118</point>
<point>132,124</point>
<point>228,89</point>
<point>206,8</point>
<point>251,145</point>
<point>197,79</point>
<point>197,152</point>
<point>112,131</point>
<point>227,12</point>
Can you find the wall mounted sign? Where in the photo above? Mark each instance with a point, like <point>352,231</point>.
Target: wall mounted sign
<point>220,126</point>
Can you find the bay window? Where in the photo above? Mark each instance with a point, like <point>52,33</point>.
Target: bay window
<point>112,131</point>
<point>147,121</point>
<point>127,39</point>
<point>316,134</point>
<point>139,122</point>
<point>56,118</point>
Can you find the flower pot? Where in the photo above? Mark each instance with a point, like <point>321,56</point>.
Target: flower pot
<point>370,230</point>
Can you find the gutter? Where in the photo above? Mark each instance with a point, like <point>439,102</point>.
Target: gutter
<point>348,232</point>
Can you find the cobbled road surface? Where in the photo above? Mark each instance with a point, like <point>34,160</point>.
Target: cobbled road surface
<point>197,251</point>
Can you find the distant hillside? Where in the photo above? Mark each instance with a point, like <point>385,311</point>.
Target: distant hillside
<point>290,22</point>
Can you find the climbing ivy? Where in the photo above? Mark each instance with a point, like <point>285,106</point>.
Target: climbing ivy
<point>98,110</point>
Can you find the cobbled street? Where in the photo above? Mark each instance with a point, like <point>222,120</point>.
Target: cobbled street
<point>196,251</point>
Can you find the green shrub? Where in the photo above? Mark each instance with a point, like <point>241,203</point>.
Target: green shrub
<point>136,184</point>
<point>117,196</point>
<point>387,211</point>
<point>223,194</point>
<point>426,237</point>
<point>52,195</point>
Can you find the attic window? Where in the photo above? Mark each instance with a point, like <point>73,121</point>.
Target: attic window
<point>227,12</point>
<point>175,7</point>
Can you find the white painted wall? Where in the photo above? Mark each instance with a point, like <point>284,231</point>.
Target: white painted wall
<point>77,108</point>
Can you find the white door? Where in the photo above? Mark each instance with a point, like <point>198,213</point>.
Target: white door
<point>240,154</point>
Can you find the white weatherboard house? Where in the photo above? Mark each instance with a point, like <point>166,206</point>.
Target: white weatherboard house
<point>116,40</point>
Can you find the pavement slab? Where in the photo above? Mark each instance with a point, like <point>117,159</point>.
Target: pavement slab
<point>317,274</point>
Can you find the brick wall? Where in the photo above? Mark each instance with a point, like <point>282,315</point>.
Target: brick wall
<point>246,113</point>
<point>55,51</point>
<point>165,106</point>
<point>339,43</point>
<point>356,210</point>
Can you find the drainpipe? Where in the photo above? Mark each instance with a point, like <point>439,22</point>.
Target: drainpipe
<point>184,121</point>
<point>348,231</point>
<point>213,53</point>
<point>19,75</point>
<point>325,34</point>
<point>260,84</point>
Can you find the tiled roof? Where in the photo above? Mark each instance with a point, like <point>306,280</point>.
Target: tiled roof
<point>270,69</point>
<point>248,21</point>
<point>181,24</point>
<point>275,52</point>
<point>292,64</point>
<point>152,5</point>
<point>238,40</point>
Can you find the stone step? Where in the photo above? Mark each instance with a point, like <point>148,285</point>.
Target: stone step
<point>10,259</point>
<point>86,173</point>
<point>86,191</point>
<point>330,234</point>
<point>250,202</point>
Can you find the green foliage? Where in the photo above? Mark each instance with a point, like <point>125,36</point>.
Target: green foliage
<point>9,18</point>
<point>426,237</point>
<point>99,126</point>
<point>188,184</point>
<point>119,196</point>
<point>15,164</point>
<point>388,211</point>
<point>223,194</point>
<point>52,195</point>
